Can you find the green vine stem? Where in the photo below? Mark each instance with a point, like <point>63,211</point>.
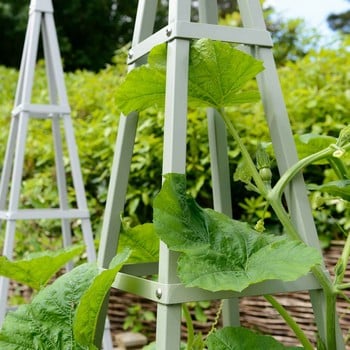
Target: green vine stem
<point>344,296</point>
<point>285,179</point>
<point>274,201</point>
<point>290,321</point>
<point>274,196</point>
<point>342,264</point>
<point>253,171</point>
<point>339,168</point>
<point>330,321</point>
<point>189,324</point>
<point>343,286</point>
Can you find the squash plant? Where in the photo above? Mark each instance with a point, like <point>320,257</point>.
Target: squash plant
<point>231,252</point>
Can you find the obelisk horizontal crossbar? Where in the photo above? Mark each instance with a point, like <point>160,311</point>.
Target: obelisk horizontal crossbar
<point>191,30</point>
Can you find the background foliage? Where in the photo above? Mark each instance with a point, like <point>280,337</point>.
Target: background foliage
<point>340,21</point>
<point>317,94</point>
<point>89,32</point>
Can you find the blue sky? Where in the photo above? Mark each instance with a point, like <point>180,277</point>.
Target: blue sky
<point>314,12</point>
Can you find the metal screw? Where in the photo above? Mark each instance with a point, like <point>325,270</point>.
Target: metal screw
<point>168,31</point>
<point>159,293</point>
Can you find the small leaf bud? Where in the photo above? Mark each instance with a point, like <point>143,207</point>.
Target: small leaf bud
<point>262,158</point>
<point>260,227</point>
<point>263,165</point>
<point>265,174</point>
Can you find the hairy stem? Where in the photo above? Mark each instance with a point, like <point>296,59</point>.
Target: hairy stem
<point>330,325</point>
<point>339,168</point>
<point>189,324</point>
<point>253,171</point>
<point>284,218</point>
<point>291,323</point>
<point>274,196</point>
<point>343,286</point>
<point>285,179</point>
<point>274,202</point>
<point>342,263</point>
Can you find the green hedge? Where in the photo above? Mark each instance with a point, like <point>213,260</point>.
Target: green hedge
<point>317,94</point>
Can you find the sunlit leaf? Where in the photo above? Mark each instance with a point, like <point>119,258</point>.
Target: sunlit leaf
<point>37,268</point>
<point>158,56</point>
<point>88,311</point>
<point>239,338</point>
<point>143,242</point>
<point>219,253</point>
<point>73,301</point>
<point>144,87</point>
<point>47,322</point>
<point>217,73</point>
<point>308,144</point>
<point>339,188</point>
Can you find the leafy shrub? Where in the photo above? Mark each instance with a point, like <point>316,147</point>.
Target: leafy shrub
<point>317,95</point>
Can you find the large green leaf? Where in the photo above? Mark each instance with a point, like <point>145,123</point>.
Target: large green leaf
<point>308,144</point>
<point>339,188</point>
<point>37,268</point>
<point>72,302</point>
<point>143,242</point>
<point>219,253</point>
<point>239,338</point>
<point>217,72</point>
<point>47,323</point>
<point>144,87</point>
<point>87,314</point>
